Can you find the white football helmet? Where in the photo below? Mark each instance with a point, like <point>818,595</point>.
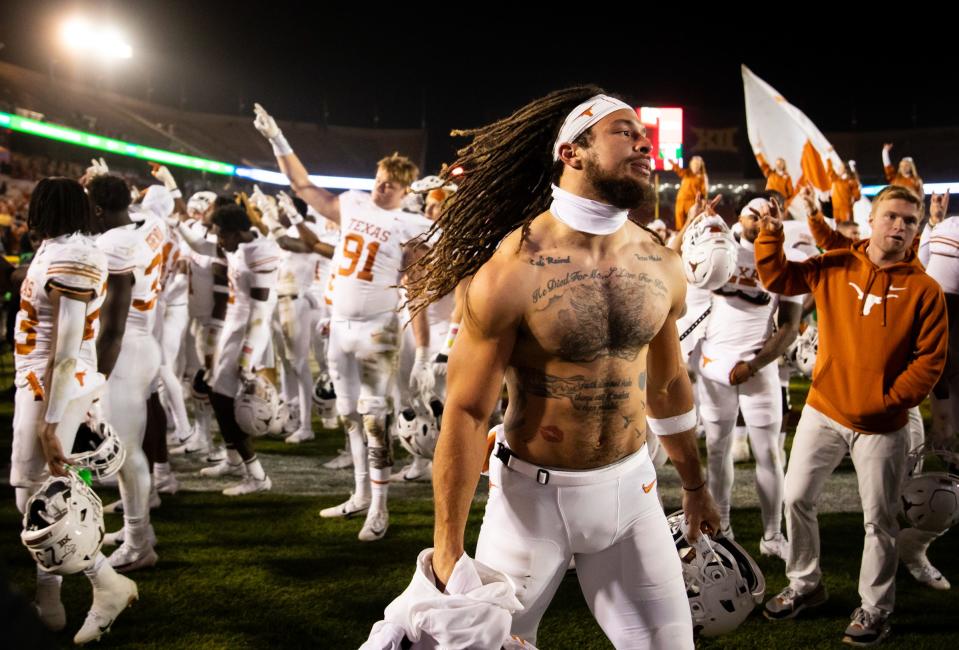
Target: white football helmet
<point>97,448</point>
<point>63,525</point>
<point>279,423</point>
<point>723,583</point>
<point>257,406</point>
<point>418,426</point>
<point>291,423</point>
<point>324,397</point>
<point>801,354</point>
<point>200,202</point>
<point>930,492</point>
<point>709,253</point>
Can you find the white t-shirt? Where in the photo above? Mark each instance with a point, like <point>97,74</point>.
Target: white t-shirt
<point>253,265</point>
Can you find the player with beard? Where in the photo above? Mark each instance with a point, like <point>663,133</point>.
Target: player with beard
<point>577,309</point>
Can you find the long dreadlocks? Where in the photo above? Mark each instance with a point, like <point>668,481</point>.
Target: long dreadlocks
<point>508,170</point>
<point>59,206</point>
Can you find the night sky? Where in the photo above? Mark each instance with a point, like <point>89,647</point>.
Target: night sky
<point>363,68</point>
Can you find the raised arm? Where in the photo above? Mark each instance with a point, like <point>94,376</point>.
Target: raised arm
<point>887,167</point>
<point>778,274</point>
<point>323,201</point>
<point>478,361</point>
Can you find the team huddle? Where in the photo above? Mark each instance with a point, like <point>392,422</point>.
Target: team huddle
<point>420,300</point>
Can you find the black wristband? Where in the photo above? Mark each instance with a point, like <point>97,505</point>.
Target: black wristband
<point>695,489</point>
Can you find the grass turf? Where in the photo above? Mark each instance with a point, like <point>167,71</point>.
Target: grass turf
<point>266,572</point>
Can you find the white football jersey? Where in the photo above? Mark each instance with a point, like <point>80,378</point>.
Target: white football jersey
<point>369,259</point>
<point>138,249</point>
<point>943,263</point>
<point>328,233</point>
<point>253,265</point>
<point>298,270</point>
<point>742,314</point>
<point>174,250</point>
<point>69,262</point>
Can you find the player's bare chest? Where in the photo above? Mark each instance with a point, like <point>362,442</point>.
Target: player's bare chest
<point>582,314</point>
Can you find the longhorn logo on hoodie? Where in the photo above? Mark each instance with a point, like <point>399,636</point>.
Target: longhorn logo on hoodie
<point>871,299</point>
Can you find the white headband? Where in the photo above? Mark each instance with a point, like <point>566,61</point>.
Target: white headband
<point>586,115</point>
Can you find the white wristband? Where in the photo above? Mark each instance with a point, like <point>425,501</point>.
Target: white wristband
<point>280,146</point>
<point>673,425</point>
<point>422,355</point>
<point>295,218</point>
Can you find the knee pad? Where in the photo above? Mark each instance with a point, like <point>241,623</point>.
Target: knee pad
<point>373,406</point>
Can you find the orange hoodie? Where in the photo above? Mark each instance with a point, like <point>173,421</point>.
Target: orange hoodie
<point>776,182</point>
<point>895,178</point>
<point>882,331</point>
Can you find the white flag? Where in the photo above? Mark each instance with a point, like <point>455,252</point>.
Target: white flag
<point>777,129</point>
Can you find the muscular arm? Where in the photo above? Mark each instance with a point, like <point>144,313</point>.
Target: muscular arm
<point>670,394</point>
<point>113,320</point>
<point>323,201</point>
<point>782,338</point>
<point>476,368</point>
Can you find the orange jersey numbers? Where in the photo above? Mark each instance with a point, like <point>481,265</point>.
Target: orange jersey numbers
<point>353,246</point>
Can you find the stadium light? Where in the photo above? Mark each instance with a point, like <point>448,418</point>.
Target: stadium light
<point>105,41</point>
<point>119,147</point>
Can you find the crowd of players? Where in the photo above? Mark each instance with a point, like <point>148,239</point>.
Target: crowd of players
<point>205,313</point>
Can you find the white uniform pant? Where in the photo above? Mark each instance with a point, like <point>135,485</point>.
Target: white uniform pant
<point>296,326</point>
<point>125,409</point>
<point>820,444</point>
<point>626,560</point>
<point>362,358</point>
<point>173,323</point>
<point>226,364</point>
<point>760,399</point>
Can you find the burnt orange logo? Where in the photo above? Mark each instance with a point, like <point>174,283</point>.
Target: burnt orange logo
<point>647,488</point>
<point>706,360</point>
<point>80,375</point>
<point>587,113</point>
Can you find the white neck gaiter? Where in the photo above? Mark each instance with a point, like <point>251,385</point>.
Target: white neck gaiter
<point>586,215</point>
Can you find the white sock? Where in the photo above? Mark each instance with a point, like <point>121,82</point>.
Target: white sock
<point>233,457</point>
<point>380,479</point>
<point>255,470</point>
<point>48,585</point>
<point>100,572</point>
<point>161,469</point>
<point>135,531</point>
<point>361,464</point>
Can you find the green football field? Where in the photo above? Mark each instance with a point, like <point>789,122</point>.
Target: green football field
<point>265,571</point>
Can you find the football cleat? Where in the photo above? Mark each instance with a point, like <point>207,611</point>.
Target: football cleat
<point>299,436</point>
<point>350,507</point>
<point>127,558</point>
<point>377,521</point>
<point>419,470</point>
<point>922,570</point>
<point>164,481</point>
<point>108,603</point>
<point>249,485</point>
<point>223,468</point>
<point>777,546</point>
<point>342,460</point>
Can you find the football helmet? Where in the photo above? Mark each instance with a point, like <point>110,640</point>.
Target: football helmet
<point>723,583</point>
<point>200,202</point>
<point>278,424</point>
<point>63,525</point>
<point>418,426</point>
<point>97,447</point>
<point>930,491</point>
<point>256,407</point>
<point>324,397</point>
<point>709,253</point>
<point>801,354</point>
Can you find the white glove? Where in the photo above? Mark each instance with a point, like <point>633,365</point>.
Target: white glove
<point>289,208</point>
<point>267,127</point>
<point>268,211</point>
<point>852,165</point>
<point>162,174</point>
<point>98,167</point>
<point>442,357</point>
<point>422,380</point>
